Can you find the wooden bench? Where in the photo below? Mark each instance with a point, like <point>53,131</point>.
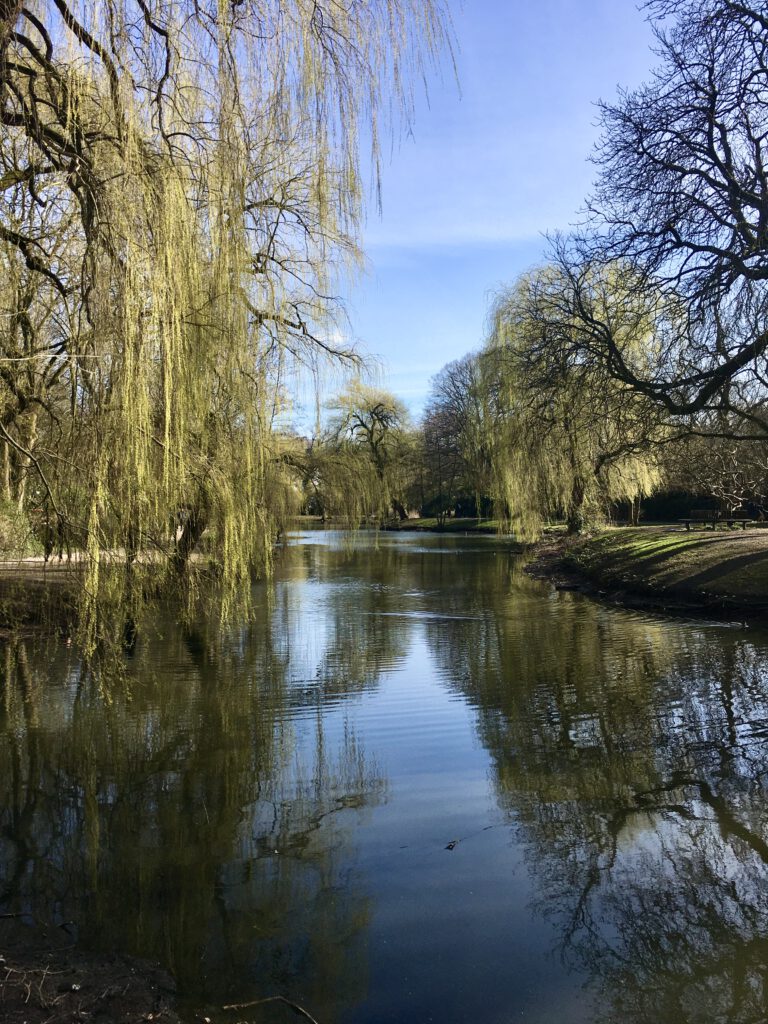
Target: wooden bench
<point>737,516</point>
<point>713,516</point>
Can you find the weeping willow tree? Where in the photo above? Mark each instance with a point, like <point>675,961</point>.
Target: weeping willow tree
<point>179,190</point>
<point>340,482</point>
<point>567,440</point>
<point>363,465</point>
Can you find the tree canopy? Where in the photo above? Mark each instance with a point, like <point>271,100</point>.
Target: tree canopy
<point>360,466</point>
<point>567,439</point>
<point>682,197</point>
<point>648,329</point>
<point>179,188</point>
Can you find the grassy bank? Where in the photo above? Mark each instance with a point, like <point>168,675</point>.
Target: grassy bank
<point>431,525</point>
<point>670,567</point>
<point>425,524</point>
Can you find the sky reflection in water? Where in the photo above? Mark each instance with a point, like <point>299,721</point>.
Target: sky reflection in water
<point>271,812</point>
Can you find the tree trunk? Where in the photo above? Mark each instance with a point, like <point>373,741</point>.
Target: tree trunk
<point>191,533</point>
<point>575,517</point>
<point>634,511</point>
<point>5,480</point>
<point>400,510</point>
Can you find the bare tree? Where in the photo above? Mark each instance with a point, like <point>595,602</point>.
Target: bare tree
<point>681,206</point>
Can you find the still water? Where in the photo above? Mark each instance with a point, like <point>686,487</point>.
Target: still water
<point>420,787</point>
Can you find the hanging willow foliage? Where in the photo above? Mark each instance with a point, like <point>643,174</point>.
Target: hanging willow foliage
<point>358,470</point>
<point>566,440</point>
<point>179,190</point>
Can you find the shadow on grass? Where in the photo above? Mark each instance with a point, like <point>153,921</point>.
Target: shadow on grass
<point>727,567</point>
<point>643,561</point>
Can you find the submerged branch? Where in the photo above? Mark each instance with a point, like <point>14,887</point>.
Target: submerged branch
<point>273,999</point>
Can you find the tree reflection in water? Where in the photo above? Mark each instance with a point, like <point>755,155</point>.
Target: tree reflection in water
<point>208,811</point>
<point>185,816</point>
<point>633,760</point>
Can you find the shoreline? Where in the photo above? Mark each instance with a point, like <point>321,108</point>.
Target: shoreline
<point>428,524</point>
<point>456,526</point>
<point>665,569</point>
<point>46,979</point>
<point>662,570</point>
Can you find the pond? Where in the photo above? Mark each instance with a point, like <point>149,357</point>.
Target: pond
<point>419,787</point>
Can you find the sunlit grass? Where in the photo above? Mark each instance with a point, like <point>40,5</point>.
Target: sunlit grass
<point>720,564</point>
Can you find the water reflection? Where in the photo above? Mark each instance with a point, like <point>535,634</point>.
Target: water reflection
<point>269,811</point>
<point>186,818</point>
<point>631,753</point>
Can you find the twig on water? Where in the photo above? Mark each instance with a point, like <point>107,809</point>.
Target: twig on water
<point>273,999</point>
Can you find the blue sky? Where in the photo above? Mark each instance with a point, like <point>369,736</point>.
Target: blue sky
<point>491,165</point>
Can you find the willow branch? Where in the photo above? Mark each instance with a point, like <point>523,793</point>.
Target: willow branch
<point>28,454</point>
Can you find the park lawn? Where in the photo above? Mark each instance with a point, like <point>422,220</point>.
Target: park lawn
<point>722,566</point>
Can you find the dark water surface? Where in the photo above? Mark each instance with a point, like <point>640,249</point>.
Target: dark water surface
<point>271,812</point>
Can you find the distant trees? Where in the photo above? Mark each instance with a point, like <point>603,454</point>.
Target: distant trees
<point>442,480</point>
<point>648,332</point>
<point>641,348</point>
<point>535,426</point>
<point>363,464</point>
<point>568,439</point>
<point>720,466</point>
<point>456,453</point>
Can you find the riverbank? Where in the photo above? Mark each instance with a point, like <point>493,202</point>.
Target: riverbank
<point>663,567</point>
<point>45,980</point>
<point>35,594</point>
<point>431,525</point>
<point>426,524</point>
